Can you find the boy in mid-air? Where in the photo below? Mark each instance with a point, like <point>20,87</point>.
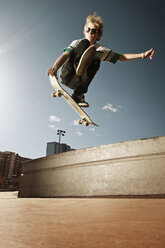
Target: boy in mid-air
<point>81,59</point>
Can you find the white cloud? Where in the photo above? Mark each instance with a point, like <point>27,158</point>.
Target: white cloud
<point>75,123</point>
<point>54,118</point>
<point>110,107</point>
<point>52,126</point>
<point>92,129</point>
<point>79,133</point>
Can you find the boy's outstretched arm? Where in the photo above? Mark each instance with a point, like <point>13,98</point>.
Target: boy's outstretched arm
<point>146,54</point>
<point>59,62</point>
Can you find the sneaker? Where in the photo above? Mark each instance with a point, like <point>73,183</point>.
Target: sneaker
<point>80,100</point>
<point>83,104</point>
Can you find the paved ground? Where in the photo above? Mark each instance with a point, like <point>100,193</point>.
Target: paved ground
<point>81,223</point>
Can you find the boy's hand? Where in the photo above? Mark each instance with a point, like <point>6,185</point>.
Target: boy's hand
<point>52,71</point>
<point>149,53</point>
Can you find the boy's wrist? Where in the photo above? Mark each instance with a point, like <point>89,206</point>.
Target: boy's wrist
<point>54,67</point>
<point>143,55</point>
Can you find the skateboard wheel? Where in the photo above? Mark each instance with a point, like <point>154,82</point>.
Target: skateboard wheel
<point>86,123</point>
<point>80,122</point>
<point>58,94</point>
<point>53,94</point>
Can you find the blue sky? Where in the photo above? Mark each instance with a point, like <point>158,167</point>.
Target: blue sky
<point>126,99</point>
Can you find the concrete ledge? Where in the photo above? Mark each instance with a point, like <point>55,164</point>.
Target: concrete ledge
<point>127,168</point>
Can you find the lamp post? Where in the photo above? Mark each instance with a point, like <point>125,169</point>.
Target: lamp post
<point>60,133</point>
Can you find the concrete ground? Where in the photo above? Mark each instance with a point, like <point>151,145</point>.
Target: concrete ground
<point>81,223</point>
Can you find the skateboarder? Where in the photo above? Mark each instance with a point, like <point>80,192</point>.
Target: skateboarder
<point>81,59</point>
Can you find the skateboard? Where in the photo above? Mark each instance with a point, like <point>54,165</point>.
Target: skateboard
<point>59,91</point>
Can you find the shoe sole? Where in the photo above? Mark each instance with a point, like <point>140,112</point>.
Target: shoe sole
<point>83,105</point>
<point>85,60</point>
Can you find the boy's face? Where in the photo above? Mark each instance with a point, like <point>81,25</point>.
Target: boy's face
<point>91,33</point>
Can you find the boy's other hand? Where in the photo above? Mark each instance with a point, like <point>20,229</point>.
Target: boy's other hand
<point>149,53</point>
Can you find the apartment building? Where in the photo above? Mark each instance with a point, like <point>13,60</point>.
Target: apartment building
<point>10,170</point>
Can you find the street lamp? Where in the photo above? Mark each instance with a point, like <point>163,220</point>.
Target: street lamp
<point>60,133</point>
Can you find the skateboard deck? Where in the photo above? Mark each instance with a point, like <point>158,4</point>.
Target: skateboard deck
<point>59,91</point>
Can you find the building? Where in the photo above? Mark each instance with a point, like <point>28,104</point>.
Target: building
<point>55,148</point>
<point>10,170</point>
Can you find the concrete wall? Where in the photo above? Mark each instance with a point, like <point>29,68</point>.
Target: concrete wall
<point>128,168</point>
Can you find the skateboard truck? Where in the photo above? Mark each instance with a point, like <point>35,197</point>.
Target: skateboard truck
<point>57,93</point>
<point>83,121</point>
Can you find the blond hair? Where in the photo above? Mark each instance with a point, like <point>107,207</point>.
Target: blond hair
<point>97,21</point>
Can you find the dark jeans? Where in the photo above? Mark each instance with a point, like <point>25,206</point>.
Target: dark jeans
<point>68,71</point>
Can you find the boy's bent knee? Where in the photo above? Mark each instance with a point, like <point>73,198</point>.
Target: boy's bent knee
<point>85,42</point>
<point>82,46</point>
